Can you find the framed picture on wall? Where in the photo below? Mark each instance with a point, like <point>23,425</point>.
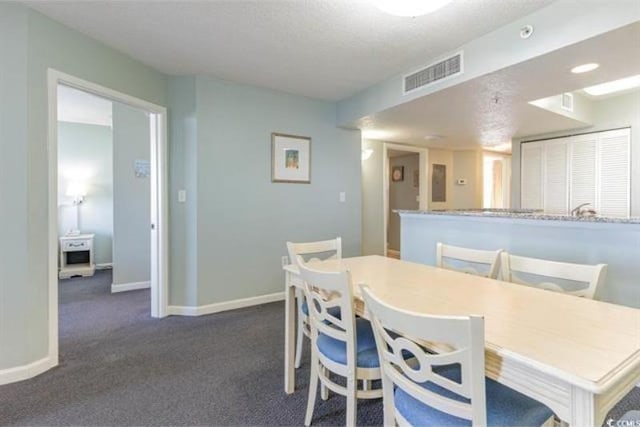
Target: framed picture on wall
<point>290,158</point>
<point>397,173</point>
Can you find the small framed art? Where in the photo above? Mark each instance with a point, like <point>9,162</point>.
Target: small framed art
<point>397,173</point>
<point>290,158</point>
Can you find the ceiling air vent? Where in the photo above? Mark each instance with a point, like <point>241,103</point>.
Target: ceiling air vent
<point>567,101</point>
<point>433,73</point>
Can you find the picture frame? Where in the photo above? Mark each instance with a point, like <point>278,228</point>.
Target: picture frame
<point>290,158</point>
<point>397,173</point>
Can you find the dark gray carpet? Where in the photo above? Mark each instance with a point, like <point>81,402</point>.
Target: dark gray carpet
<point>121,367</point>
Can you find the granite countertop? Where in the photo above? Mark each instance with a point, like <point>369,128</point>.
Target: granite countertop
<point>523,214</point>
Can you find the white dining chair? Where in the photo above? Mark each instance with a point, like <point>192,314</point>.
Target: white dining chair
<point>553,275</point>
<point>332,249</point>
<point>343,345</point>
<point>444,388</point>
<point>471,259</point>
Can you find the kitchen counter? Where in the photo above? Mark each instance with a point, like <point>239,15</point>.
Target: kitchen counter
<point>524,214</point>
<point>583,240</point>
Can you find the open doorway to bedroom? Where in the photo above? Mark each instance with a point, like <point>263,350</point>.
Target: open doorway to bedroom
<point>107,211</point>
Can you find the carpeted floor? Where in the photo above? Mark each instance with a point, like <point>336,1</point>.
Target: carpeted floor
<point>121,367</point>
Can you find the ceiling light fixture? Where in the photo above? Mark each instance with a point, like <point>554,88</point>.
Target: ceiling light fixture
<point>614,86</point>
<point>584,68</point>
<point>410,8</point>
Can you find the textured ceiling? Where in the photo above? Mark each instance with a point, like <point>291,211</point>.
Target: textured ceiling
<point>326,49</point>
<point>467,115</point>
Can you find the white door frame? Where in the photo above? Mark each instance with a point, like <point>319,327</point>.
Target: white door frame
<point>423,193</point>
<point>159,202</point>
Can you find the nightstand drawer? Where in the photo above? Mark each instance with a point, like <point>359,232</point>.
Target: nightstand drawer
<point>75,245</point>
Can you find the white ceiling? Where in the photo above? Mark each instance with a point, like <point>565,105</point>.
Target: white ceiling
<point>76,106</point>
<point>466,115</point>
<point>327,49</point>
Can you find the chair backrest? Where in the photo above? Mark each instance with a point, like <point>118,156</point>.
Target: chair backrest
<point>325,290</point>
<point>464,333</point>
<point>472,257</point>
<point>552,274</point>
<point>315,248</point>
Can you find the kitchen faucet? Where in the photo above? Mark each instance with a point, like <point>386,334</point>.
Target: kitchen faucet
<point>578,211</point>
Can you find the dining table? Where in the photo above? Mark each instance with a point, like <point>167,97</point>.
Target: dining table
<point>578,356</point>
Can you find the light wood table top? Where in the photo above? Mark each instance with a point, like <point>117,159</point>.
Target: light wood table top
<point>587,343</point>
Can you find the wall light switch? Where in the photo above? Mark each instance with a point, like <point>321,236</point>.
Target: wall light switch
<point>343,197</point>
<point>182,196</point>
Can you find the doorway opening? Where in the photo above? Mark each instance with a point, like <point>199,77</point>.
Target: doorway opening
<point>496,172</point>
<point>405,188</point>
<point>101,198</point>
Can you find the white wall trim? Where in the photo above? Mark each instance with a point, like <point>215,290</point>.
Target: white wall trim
<point>159,208</point>
<point>424,191</point>
<point>104,266</point>
<point>123,287</point>
<point>201,310</point>
<point>21,373</point>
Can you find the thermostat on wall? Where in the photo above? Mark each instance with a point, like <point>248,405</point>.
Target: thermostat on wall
<point>461,181</point>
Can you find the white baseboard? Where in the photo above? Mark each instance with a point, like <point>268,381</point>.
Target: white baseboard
<point>129,286</point>
<point>105,266</point>
<point>178,310</point>
<point>25,372</point>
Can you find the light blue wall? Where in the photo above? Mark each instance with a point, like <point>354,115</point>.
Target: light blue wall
<point>183,163</point>
<point>617,245</point>
<point>244,219</point>
<point>131,196</point>
<point>373,238</point>
<point>88,147</point>
<point>29,45</point>
<point>17,291</point>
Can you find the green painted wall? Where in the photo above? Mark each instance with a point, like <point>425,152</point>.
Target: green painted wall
<point>229,236</point>
<point>30,44</point>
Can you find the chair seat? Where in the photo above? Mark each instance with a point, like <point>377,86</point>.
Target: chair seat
<point>334,311</point>
<point>505,406</point>
<point>336,350</point>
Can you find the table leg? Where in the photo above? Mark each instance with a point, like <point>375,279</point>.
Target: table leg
<point>583,408</point>
<point>289,336</point>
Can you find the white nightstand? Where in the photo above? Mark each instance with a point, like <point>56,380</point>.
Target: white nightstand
<point>76,256</point>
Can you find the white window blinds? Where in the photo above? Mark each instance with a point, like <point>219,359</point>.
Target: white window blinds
<point>532,175</point>
<point>560,174</point>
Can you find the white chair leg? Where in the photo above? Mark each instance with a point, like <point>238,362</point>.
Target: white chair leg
<point>300,330</point>
<point>299,339</point>
<point>313,389</point>
<point>352,402</point>
<point>387,402</point>
<point>324,390</point>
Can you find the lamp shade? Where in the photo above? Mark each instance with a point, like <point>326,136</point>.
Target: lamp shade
<point>76,189</point>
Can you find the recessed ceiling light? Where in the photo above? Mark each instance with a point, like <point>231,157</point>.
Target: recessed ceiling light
<point>584,68</point>
<point>614,86</point>
<point>410,8</point>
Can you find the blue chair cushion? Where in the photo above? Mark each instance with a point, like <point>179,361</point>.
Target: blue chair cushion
<point>334,311</point>
<point>336,350</point>
<point>505,407</point>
